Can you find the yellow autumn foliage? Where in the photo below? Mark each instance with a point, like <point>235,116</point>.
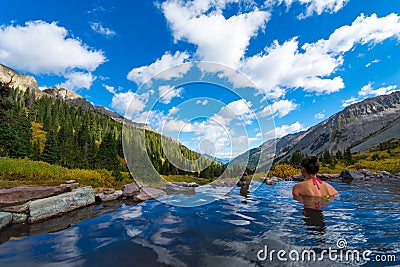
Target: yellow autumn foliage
<point>283,171</point>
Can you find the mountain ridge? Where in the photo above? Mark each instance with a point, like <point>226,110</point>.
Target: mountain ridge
<point>359,127</point>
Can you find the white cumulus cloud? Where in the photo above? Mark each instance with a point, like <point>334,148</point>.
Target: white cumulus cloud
<point>279,108</point>
<point>130,103</point>
<point>285,130</point>
<point>45,48</point>
<point>225,40</point>
<point>162,67</point>
<point>319,116</point>
<point>312,68</point>
<point>77,80</point>
<point>167,93</point>
<point>368,90</point>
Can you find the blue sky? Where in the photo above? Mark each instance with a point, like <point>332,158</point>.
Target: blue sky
<point>310,58</point>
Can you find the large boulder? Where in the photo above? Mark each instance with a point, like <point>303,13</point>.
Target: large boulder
<point>130,190</point>
<point>149,193</point>
<point>348,176</point>
<point>5,219</point>
<point>21,194</point>
<point>48,207</point>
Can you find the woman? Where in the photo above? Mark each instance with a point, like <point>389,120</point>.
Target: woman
<point>312,186</point>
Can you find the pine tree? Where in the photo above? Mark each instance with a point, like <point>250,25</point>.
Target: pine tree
<point>107,156</point>
<point>50,152</point>
<point>35,154</point>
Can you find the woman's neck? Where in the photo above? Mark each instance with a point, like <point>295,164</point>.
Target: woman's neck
<point>309,176</point>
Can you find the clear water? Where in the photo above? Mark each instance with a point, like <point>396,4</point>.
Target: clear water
<point>228,232</point>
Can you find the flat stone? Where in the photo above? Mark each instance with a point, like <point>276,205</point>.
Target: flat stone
<point>130,190</point>
<point>23,208</point>
<point>110,191</point>
<point>70,186</point>
<point>19,217</point>
<point>70,182</point>
<point>108,197</point>
<point>149,193</point>
<point>21,194</point>
<point>48,207</point>
<point>5,219</point>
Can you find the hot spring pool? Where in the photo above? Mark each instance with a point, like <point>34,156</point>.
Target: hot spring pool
<point>227,232</point>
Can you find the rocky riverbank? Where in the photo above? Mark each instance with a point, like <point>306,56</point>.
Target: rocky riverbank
<point>346,176</point>
<point>27,205</point>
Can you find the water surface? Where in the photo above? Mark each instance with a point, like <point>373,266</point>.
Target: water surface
<point>227,232</point>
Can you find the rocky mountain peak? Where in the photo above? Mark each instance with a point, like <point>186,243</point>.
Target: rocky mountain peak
<point>62,93</point>
<point>16,80</point>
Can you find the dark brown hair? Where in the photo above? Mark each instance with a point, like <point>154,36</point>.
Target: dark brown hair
<point>311,165</point>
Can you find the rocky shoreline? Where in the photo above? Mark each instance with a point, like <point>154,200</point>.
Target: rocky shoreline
<point>346,176</point>
<point>31,205</point>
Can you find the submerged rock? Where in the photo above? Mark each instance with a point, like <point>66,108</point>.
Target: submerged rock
<point>5,219</point>
<point>149,193</point>
<point>21,194</point>
<point>107,196</point>
<point>130,190</point>
<point>48,207</point>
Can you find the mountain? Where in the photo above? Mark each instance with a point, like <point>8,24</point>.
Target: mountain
<point>360,127</point>
<point>61,127</point>
<point>22,82</point>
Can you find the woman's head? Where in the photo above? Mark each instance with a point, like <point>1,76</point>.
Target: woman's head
<point>310,164</point>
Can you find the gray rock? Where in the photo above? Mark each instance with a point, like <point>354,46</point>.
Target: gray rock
<point>70,186</point>
<point>108,197</point>
<point>110,191</point>
<point>70,182</point>
<point>5,219</point>
<point>299,178</point>
<point>130,190</point>
<point>269,182</point>
<point>348,176</point>
<point>21,194</point>
<point>328,176</point>
<point>384,173</point>
<point>275,179</point>
<point>19,217</point>
<point>48,207</point>
<point>366,172</point>
<point>230,183</point>
<point>149,193</point>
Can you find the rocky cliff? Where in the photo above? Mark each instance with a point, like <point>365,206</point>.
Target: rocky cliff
<point>16,80</point>
<point>23,82</point>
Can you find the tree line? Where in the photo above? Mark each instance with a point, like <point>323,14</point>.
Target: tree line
<point>76,137</point>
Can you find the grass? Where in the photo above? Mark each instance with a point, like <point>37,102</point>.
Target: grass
<point>185,178</point>
<point>16,172</point>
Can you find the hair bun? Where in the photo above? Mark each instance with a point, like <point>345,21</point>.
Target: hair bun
<point>313,159</point>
